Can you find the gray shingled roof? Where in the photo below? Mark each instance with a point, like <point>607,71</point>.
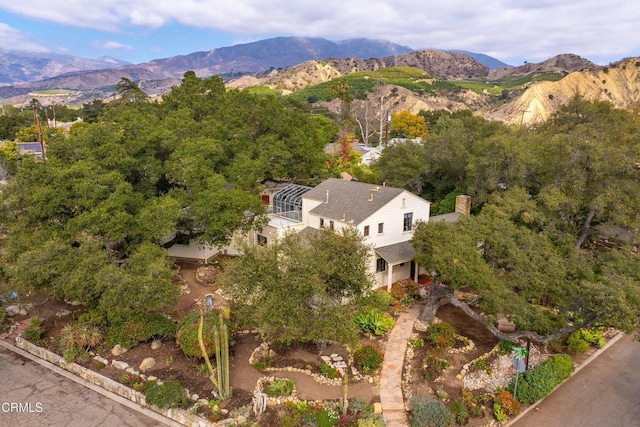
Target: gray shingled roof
<point>354,200</point>
<point>396,253</point>
<point>448,217</point>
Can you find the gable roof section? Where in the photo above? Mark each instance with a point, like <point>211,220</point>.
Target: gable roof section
<point>350,199</point>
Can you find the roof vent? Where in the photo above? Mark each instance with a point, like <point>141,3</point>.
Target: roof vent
<point>370,197</point>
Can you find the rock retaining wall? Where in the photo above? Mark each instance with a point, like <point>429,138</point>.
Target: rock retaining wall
<point>177,414</point>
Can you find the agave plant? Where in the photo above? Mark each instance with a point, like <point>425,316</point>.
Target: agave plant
<point>68,336</point>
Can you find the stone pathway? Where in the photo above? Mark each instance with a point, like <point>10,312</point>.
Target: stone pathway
<point>391,397</point>
<point>9,338</point>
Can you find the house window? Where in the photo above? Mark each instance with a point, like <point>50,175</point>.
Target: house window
<point>380,227</point>
<point>262,240</point>
<point>321,222</point>
<point>366,230</point>
<point>381,265</point>
<point>408,221</point>
<point>331,225</point>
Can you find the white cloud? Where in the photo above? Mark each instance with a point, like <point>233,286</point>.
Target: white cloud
<point>112,45</point>
<point>536,29</point>
<point>12,39</point>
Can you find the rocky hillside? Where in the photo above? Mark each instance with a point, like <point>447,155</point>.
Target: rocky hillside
<point>445,65</point>
<point>565,64</point>
<point>291,79</point>
<point>618,84</point>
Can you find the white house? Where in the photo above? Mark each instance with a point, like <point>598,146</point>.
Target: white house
<point>385,216</point>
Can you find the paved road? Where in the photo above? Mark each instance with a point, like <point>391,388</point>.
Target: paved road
<point>47,399</point>
<point>604,393</point>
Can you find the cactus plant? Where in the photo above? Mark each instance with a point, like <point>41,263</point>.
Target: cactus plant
<point>221,339</point>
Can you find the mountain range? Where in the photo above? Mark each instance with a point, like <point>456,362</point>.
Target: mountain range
<point>289,64</point>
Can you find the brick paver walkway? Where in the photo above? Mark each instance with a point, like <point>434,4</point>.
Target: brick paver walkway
<point>10,338</point>
<point>391,375</point>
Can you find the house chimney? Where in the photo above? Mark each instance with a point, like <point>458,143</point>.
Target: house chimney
<point>463,204</point>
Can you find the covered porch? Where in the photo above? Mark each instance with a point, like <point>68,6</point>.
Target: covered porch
<point>399,264</point>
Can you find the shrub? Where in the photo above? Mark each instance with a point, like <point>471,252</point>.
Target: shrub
<point>535,384</point>
<point>593,336</point>
<point>499,413</point>
<point>326,418</point>
<point>329,372</point>
<point>187,335</point>
<point>374,321</point>
<point>379,299</point>
<point>74,353</point>
<point>459,412</point>
<point>576,344</point>
<point>83,335</point>
<point>372,420</point>
<point>140,327</point>
<point>170,394</point>
<point>405,290</point>
<point>280,387</point>
<point>427,411</point>
<point>418,342</point>
<point>368,358</point>
<point>506,346</point>
<point>34,331</point>
<point>92,317</point>
<point>434,366</point>
<point>260,366</point>
<point>133,381</point>
<point>482,365</point>
<point>441,334</point>
<point>510,405</point>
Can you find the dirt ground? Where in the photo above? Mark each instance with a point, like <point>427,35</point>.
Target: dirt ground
<point>447,382</point>
<point>172,364</point>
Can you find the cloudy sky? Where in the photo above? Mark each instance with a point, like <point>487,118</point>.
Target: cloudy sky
<point>513,31</point>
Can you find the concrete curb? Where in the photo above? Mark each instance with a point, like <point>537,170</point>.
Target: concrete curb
<point>590,359</point>
<point>116,398</point>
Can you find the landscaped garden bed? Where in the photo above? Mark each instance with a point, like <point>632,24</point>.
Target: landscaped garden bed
<point>458,363</point>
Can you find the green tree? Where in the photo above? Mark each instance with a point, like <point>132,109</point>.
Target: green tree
<point>404,165</point>
<point>97,211</point>
<point>129,91</point>
<point>536,279</point>
<point>587,166</point>
<point>300,288</point>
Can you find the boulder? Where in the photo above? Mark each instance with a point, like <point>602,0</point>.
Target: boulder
<point>156,344</point>
<point>101,360</point>
<point>377,408</point>
<point>119,364</point>
<point>63,312</point>
<point>504,325</point>
<point>117,350</point>
<point>420,326</point>
<point>12,310</point>
<point>147,363</point>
